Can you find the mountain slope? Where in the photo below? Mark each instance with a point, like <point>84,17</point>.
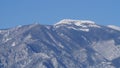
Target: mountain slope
<point>67,44</point>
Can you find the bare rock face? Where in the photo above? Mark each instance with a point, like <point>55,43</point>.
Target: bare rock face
<point>67,44</point>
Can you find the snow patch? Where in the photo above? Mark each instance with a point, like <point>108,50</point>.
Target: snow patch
<point>13,44</point>
<point>76,22</point>
<point>60,45</point>
<point>55,63</point>
<point>86,30</point>
<point>80,23</point>
<point>64,36</point>
<point>84,38</point>
<point>81,29</point>
<point>94,26</point>
<point>114,27</point>
<point>48,27</point>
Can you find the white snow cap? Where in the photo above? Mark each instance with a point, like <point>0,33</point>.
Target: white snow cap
<point>114,27</point>
<point>76,22</point>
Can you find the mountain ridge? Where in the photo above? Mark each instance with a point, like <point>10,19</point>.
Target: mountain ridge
<point>60,46</point>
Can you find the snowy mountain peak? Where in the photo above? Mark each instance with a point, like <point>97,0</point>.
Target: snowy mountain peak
<point>79,23</point>
<point>114,27</point>
<point>70,46</point>
<point>76,22</point>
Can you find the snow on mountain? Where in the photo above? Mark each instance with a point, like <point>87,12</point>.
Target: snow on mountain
<point>114,27</point>
<point>13,44</point>
<point>81,29</point>
<point>109,52</point>
<point>67,44</point>
<point>76,22</point>
<point>82,23</point>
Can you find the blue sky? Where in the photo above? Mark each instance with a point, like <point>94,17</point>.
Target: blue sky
<point>22,12</point>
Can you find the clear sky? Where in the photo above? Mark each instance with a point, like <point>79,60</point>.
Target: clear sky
<point>21,12</point>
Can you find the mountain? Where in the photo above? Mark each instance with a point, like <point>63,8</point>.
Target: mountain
<point>66,44</point>
<point>114,27</point>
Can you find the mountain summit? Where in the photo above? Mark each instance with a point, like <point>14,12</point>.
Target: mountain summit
<point>66,44</point>
<point>77,22</point>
